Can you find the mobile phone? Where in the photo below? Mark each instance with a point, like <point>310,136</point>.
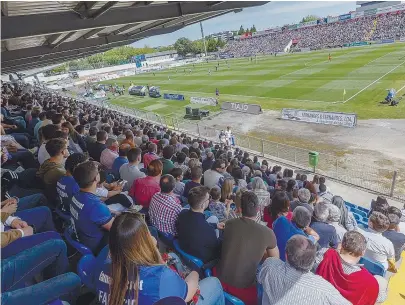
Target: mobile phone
<point>34,230</point>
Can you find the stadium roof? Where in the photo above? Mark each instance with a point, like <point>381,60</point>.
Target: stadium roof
<point>39,34</point>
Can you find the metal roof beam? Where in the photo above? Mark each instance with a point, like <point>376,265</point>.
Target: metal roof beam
<point>35,25</point>
<point>67,49</point>
<point>91,33</point>
<point>103,9</point>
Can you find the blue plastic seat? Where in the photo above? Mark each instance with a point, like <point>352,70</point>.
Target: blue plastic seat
<point>357,217</point>
<point>359,212</point>
<point>65,216</point>
<point>231,300</point>
<point>362,223</point>
<point>191,261</point>
<point>166,238</point>
<point>85,269</point>
<point>363,209</point>
<point>375,268</point>
<point>69,233</point>
<point>351,205</point>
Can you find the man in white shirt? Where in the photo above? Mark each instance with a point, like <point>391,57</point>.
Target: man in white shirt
<point>213,175</point>
<point>379,248</point>
<point>48,132</point>
<point>130,171</point>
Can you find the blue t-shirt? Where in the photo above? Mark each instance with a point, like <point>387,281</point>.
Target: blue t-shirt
<point>284,230</point>
<point>89,214</point>
<point>155,283</point>
<point>118,162</point>
<point>66,188</point>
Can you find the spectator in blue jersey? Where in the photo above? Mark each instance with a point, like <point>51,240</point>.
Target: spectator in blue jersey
<point>284,229</point>
<point>67,186</point>
<point>91,216</point>
<point>120,160</point>
<point>135,259</point>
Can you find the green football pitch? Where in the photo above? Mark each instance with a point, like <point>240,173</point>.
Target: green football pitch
<point>355,80</point>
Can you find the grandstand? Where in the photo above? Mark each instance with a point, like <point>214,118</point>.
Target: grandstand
<point>102,204</point>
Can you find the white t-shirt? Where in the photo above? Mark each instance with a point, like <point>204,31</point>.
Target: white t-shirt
<point>211,178</point>
<point>130,173</point>
<point>379,248</point>
<point>43,154</point>
<point>402,227</point>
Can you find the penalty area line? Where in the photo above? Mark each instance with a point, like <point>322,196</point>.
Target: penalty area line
<point>353,96</point>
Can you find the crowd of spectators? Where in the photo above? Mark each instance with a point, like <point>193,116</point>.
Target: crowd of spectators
<point>329,35</point>
<point>126,184</point>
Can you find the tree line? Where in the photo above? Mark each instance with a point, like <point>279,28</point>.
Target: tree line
<point>185,46</point>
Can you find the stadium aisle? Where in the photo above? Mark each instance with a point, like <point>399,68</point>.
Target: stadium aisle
<point>396,286</point>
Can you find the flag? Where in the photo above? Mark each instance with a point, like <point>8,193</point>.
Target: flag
<point>344,92</point>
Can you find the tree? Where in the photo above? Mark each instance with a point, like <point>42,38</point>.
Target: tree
<point>183,46</point>
<point>241,30</point>
<point>220,43</point>
<point>211,45</point>
<point>310,18</point>
<point>253,29</point>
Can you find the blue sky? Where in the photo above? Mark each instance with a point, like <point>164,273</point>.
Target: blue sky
<point>266,16</point>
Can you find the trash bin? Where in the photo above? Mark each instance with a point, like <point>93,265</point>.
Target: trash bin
<point>313,158</point>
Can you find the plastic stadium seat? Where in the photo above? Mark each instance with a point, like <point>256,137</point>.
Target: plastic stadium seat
<point>231,300</point>
<point>191,261</point>
<point>351,205</point>
<point>363,209</point>
<point>359,212</point>
<point>166,238</point>
<point>65,216</point>
<point>198,265</point>
<point>362,223</point>
<point>375,268</point>
<point>85,268</point>
<point>75,244</point>
<point>357,217</point>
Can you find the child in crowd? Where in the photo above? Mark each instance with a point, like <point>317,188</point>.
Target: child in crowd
<point>177,173</point>
<point>218,208</point>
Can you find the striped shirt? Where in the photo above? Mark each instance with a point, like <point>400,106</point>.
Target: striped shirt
<point>349,269</point>
<point>163,212</point>
<point>284,285</point>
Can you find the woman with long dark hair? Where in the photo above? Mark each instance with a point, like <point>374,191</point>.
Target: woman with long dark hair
<point>138,275</point>
<point>280,206</point>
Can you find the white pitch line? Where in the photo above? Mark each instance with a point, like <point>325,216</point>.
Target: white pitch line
<point>401,88</point>
<point>374,82</point>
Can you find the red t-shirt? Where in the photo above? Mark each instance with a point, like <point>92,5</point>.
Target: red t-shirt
<point>143,189</point>
<point>267,217</point>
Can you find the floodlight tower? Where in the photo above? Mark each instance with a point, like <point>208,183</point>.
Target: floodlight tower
<point>203,39</point>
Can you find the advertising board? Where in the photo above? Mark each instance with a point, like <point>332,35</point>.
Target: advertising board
<point>171,96</point>
<point>240,107</point>
<point>320,117</point>
<point>204,101</point>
